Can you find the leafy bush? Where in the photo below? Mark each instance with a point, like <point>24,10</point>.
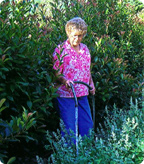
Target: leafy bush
<point>25,63</point>
<point>121,142</point>
<point>26,74</point>
<point>116,43</point>
<point>15,129</point>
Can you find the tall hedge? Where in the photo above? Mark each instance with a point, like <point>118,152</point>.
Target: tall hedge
<point>25,79</point>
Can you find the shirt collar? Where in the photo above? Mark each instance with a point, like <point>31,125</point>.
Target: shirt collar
<point>67,44</point>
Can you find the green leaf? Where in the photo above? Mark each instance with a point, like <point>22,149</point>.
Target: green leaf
<point>7,59</point>
<point>0,51</point>
<point>30,138</point>
<point>24,115</point>
<point>6,49</point>
<point>122,76</point>
<point>30,123</point>
<point>29,104</point>
<point>1,109</point>
<point>2,155</point>
<point>12,87</point>
<point>10,98</point>
<point>11,160</point>
<point>23,83</point>
<point>2,101</point>
<point>5,69</point>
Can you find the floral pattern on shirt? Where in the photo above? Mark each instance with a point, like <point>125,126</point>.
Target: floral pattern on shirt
<point>73,66</point>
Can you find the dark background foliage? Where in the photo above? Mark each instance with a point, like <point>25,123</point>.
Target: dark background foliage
<point>28,37</point>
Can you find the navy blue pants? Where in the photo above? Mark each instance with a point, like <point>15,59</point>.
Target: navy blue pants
<point>66,108</point>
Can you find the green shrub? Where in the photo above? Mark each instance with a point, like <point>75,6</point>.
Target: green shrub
<point>116,43</point>
<point>13,130</point>
<point>25,64</point>
<point>121,142</point>
<point>26,73</point>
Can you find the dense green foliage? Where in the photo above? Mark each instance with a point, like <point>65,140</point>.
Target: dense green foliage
<point>121,142</point>
<point>26,76</point>
<point>28,37</point>
<point>115,39</point>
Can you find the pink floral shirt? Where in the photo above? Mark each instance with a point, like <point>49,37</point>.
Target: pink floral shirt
<point>73,66</point>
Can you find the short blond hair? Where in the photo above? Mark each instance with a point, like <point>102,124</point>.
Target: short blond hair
<point>76,23</point>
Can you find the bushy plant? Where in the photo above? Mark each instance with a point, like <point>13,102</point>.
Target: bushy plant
<point>121,142</point>
<point>115,39</point>
<point>13,130</point>
<point>26,73</point>
<point>25,60</point>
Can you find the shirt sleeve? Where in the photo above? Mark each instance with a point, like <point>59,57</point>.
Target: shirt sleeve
<point>57,59</point>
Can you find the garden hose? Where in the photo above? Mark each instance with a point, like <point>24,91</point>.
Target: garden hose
<point>76,110</point>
